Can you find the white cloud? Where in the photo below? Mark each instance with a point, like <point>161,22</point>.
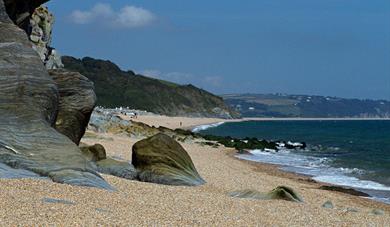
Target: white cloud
<point>126,17</point>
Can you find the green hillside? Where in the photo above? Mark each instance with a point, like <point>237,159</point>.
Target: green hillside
<point>115,88</point>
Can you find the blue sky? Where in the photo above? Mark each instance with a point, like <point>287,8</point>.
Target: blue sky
<point>324,47</point>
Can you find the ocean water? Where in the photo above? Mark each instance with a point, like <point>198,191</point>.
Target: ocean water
<point>347,153</point>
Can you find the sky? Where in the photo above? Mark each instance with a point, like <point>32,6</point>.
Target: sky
<point>317,47</point>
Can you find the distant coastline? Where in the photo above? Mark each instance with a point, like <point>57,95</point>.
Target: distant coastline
<point>215,122</point>
<point>314,119</point>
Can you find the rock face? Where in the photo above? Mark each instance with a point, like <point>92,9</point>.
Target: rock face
<point>160,159</point>
<point>280,192</point>
<point>77,100</point>
<point>19,11</point>
<point>29,102</point>
<point>40,33</point>
<point>37,22</point>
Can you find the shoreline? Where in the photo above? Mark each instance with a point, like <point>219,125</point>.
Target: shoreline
<point>215,122</point>
<point>275,170</point>
<point>279,167</point>
<point>221,120</point>
<point>314,119</point>
<point>24,201</point>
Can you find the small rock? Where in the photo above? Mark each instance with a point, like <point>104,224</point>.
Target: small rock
<point>102,210</point>
<point>61,201</point>
<point>328,204</point>
<point>378,212</point>
<point>349,209</point>
<point>117,168</point>
<point>94,153</point>
<point>285,193</point>
<point>280,192</point>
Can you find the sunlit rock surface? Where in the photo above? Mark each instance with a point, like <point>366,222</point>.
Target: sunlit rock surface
<point>76,102</point>
<point>160,159</point>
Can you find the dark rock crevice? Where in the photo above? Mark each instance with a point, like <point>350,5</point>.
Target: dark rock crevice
<point>20,11</point>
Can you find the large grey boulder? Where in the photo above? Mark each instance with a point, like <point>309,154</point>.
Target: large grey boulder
<point>76,103</point>
<point>29,103</point>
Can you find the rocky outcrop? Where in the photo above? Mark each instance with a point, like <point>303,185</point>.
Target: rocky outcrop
<point>37,22</point>
<point>280,192</point>
<point>160,159</point>
<point>40,34</point>
<point>20,11</point>
<point>77,101</point>
<point>29,103</point>
<point>110,121</point>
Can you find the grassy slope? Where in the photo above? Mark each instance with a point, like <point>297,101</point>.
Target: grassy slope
<point>115,87</point>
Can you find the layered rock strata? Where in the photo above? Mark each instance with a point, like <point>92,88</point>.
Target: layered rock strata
<point>29,104</point>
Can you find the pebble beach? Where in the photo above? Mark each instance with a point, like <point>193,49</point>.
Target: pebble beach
<point>27,202</point>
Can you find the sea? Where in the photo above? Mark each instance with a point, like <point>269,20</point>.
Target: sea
<point>350,153</point>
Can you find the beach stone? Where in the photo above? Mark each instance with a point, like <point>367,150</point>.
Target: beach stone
<point>285,193</point>
<point>248,194</point>
<point>77,100</point>
<point>61,201</point>
<point>378,212</point>
<point>279,193</point>
<point>29,103</point>
<point>94,153</point>
<point>328,204</point>
<point>353,210</point>
<point>102,210</point>
<point>160,159</point>
<point>117,168</point>
<point>97,154</point>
